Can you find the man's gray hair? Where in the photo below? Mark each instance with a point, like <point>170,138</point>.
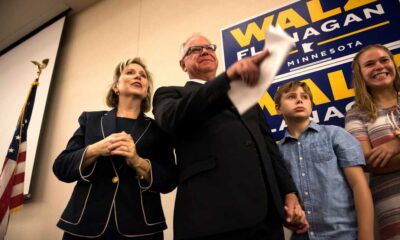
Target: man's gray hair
<point>182,49</point>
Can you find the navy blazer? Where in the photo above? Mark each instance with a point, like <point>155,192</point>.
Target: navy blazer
<point>230,169</point>
<point>136,204</point>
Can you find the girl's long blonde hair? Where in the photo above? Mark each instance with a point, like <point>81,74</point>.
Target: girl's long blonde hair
<point>363,98</point>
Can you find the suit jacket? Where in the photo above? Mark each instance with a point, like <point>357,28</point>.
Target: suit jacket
<point>136,204</point>
<point>227,163</point>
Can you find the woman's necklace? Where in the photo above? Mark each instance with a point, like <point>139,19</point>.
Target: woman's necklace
<point>115,179</point>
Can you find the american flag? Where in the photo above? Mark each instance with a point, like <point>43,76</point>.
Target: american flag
<point>13,171</point>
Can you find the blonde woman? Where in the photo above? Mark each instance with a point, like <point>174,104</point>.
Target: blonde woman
<point>374,121</point>
<point>120,161</point>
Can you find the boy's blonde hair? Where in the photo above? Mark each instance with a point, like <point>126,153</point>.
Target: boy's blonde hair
<point>291,86</point>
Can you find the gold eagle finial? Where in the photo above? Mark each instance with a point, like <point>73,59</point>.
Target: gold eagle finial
<point>41,66</point>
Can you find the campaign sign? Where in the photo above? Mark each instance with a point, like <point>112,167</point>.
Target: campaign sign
<point>327,35</point>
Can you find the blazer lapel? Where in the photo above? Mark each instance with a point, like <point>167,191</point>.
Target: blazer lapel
<point>251,122</point>
<point>140,127</point>
<point>109,123</point>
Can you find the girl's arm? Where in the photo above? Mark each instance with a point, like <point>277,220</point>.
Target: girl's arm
<point>382,159</point>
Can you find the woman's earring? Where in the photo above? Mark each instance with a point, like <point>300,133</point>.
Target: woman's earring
<point>116,92</point>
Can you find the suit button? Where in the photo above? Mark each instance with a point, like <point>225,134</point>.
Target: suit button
<point>249,143</point>
<point>115,179</point>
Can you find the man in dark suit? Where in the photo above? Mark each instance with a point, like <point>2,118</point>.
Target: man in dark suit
<point>232,182</point>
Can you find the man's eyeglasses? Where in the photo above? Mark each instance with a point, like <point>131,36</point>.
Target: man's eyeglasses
<point>199,49</point>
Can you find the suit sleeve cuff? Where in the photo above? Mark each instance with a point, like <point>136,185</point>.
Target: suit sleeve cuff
<point>88,171</point>
<point>143,184</point>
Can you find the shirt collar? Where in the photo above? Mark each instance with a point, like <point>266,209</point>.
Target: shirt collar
<point>197,81</point>
<point>312,126</point>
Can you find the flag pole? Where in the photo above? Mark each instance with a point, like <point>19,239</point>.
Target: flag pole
<point>13,171</point>
<point>40,67</point>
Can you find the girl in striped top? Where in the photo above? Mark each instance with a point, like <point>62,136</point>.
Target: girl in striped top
<point>374,121</point>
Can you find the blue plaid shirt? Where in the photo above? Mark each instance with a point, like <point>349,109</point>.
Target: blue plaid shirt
<point>315,161</point>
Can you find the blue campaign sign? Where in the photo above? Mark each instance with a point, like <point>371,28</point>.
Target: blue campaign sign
<point>327,34</point>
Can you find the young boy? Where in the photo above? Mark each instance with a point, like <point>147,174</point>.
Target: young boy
<point>325,163</point>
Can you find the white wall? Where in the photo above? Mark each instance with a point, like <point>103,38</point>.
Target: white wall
<point>94,41</point>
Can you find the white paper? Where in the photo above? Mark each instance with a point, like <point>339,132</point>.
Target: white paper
<point>279,43</point>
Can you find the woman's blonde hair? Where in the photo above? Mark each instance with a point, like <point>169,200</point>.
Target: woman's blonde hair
<point>112,97</point>
<point>363,98</point>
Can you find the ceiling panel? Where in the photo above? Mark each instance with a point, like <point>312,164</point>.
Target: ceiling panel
<point>18,18</point>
